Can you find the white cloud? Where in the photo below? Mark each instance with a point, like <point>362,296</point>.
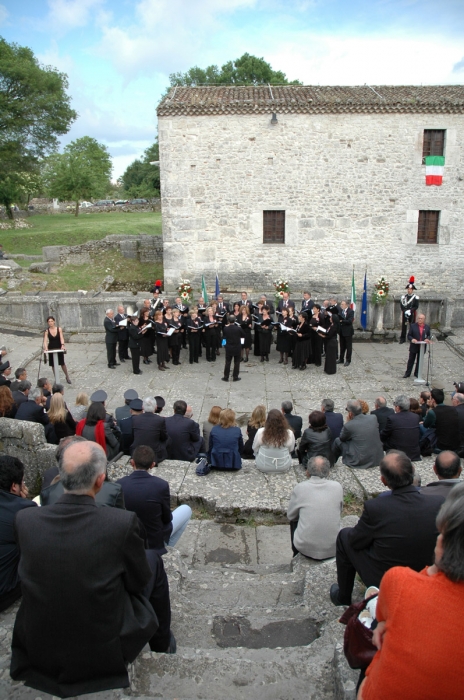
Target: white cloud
<point>3,14</point>
<point>70,14</point>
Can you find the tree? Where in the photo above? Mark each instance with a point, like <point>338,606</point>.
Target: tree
<point>34,111</point>
<point>82,171</point>
<point>141,179</point>
<point>246,70</point>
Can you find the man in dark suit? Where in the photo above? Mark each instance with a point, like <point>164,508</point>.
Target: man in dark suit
<point>20,375</point>
<point>346,319</point>
<point>111,338</point>
<point>123,335</point>
<point>382,411</point>
<point>22,392</point>
<point>395,531</point>
<point>232,335</point>
<point>445,420</point>
<point>307,303</point>
<point>33,410</point>
<point>244,299</point>
<point>285,303</point>
<point>448,469</point>
<point>418,332</point>
<point>185,441</point>
<point>149,428</point>
<point>295,422</point>
<point>90,591</point>
<point>149,497</point>
<point>402,430</point>
<point>333,420</point>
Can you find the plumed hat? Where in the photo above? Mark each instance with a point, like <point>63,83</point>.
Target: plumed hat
<point>411,282</point>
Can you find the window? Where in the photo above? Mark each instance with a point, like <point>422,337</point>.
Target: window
<point>273,227</point>
<point>427,231</point>
<point>434,142</point>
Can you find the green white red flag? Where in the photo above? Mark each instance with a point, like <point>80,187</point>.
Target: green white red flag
<point>353,294</point>
<point>434,166</point>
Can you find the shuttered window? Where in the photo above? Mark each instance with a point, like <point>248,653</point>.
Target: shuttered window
<point>434,142</point>
<point>427,231</point>
<point>273,227</point>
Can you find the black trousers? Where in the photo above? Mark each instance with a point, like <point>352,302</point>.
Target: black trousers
<point>122,349</point>
<point>111,353</point>
<point>236,358</point>
<point>346,346</point>
<point>293,526</point>
<point>194,346</point>
<point>413,357</point>
<point>8,598</point>
<point>211,345</point>
<point>351,561</point>
<point>404,323</point>
<point>135,356</point>
<point>157,592</point>
<point>175,349</point>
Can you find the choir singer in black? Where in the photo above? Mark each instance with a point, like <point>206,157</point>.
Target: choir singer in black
<point>233,335</point>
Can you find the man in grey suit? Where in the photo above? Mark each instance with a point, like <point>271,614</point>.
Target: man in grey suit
<point>359,442</point>
<point>111,338</point>
<point>90,591</point>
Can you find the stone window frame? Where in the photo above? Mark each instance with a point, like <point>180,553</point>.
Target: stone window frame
<point>274,226</point>
<point>427,226</point>
<point>433,143</point>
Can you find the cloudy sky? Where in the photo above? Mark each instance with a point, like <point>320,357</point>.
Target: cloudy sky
<point>118,54</point>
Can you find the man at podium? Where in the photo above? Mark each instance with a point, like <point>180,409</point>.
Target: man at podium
<point>419,332</point>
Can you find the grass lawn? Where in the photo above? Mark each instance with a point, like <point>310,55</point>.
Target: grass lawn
<point>66,229</point>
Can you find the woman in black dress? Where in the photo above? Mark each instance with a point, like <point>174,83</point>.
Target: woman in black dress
<point>146,336</point>
<point>284,338</point>
<point>53,340</point>
<point>257,318</point>
<point>161,329</point>
<point>175,340</point>
<point>331,347</point>
<point>134,344</point>
<point>210,334</point>
<point>245,321</point>
<point>194,327</point>
<point>300,353</point>
<point>265,335</point>
<point>294,320</point>
<point>315,339</point>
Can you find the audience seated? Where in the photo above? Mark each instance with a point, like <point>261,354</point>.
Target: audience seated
<point>149,429</point>
<point>21,394</point>
<point>317,440</point>
<point>257,420</point>
<point>381,411</point>
<point>13,498</point>
<point>359,442</point>
<point>126,426</point>
<point>80,408</point>
<point>395,531</point>
<point>33,410</point>
<point>448,469</point>
<point>418,635</point>
<point>96,429</point>
<point>8,407</point>
<point>445,420</point>
<point>295,422</point>
<point>314,511</point>
<point>86,582</point>
<point>458,403</point>
<point>414,407</point>
<point>185,441</point>
<point>20,376</point>
<point>333,420</point>
<point>124,411</point>
<point>149,497</point>
<point>61,419</point>
<point>226,442</point>
<point>46,386</point>
<point>208,425</point>
<point>5,373</point>
<point>364,407</point>
<point>274,444</point>
<point>401,431</point>
<point>424,399</point>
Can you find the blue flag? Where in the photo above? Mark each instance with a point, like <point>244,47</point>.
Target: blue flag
<point>364,304</point>
<point>218,291</point>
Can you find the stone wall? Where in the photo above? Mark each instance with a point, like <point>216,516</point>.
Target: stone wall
<point>351,186</point>
<point>144,248</point>
<point>26,441</point>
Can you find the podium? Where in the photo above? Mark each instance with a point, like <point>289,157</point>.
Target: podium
<point>56,366</point>
<point>419,379</point>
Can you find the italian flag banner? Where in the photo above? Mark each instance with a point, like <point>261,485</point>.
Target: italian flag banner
<point>434,170</point>
<point>204,293</point>
<point>353,294</point>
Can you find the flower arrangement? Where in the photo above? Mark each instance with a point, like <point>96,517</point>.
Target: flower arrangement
<point>185,290</point>
<point>381,290</point>
<point>281,286</point>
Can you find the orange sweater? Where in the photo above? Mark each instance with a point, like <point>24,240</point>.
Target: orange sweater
<point>422,655</point>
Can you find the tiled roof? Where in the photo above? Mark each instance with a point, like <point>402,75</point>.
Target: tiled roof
<point>312,99</point>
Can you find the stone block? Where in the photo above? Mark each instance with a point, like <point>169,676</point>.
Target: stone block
<point>53,253</point>
<point>129,249</point>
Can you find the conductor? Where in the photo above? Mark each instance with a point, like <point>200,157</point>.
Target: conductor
<point>232,335</point>
<point>418,332</point>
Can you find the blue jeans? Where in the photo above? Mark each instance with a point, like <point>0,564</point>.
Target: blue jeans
<point>180,520</point>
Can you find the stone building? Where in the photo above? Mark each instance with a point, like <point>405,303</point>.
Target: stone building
<point>305,182</point>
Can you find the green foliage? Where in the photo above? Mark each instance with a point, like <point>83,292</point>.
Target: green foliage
<point>34,111</point>
<point>246,70</point>
<point>142,179</point>
<point>82,171</point>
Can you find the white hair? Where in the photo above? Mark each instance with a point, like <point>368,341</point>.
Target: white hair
<point>149,405</point>
<point>108,311</point>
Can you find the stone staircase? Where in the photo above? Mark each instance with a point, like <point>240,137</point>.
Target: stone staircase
<point>250,622</point>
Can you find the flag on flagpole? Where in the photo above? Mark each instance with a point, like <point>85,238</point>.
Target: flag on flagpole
<point>364,304</point>
<point>353,294</point>
<point>218,290</point>
<point>204,293</point>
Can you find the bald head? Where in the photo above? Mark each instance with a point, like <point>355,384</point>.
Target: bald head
<point>447,465</point>
<point>396,470</point>
<point>82,468</point>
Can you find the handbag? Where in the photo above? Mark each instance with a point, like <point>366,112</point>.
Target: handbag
<point>203,468</point>
<point>357,642</point>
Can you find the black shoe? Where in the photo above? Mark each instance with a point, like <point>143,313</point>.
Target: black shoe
<point>347,364</point>
<point>237,379</point>
<point>402,340</point>
<point>116,364</point>
<point>145,362</point>
<point>334,595</point>
<point>267,358</point>
<point>416,375</point>
<point>121,359</point>
<point>111,366</point>
<point>339,362</point>
<point>405,375</point>
<point>224,379</point>
<point>172,648</point>
<point>139,372</point>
